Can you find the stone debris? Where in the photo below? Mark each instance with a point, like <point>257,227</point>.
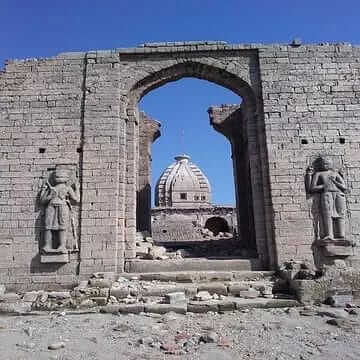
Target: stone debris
<point>31,296</point>
<point>340,300</point>
<point>251,293</point>
<point>254,334</point>
<point>175,298</point>
<point>9,297</point>
<point>56,346</point>
<point>2,289</point>
<point>150,293</point>
<point>203,296</point>
<point>209,337</point>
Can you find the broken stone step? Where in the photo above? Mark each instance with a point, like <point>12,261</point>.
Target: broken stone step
<point>147,266</point>
<point>219,288</point>
<point>201,276</point>
<point>231,304</point>
<point>165,308</point>
<point>162,289</point>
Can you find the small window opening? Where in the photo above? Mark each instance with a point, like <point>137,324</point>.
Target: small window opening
<point>304,141</point>
<point>183,196</point>
<point>196,197</point>
<point>203,198</point>
<point>79,150</point>
<point>342,140</point>
<point>42,150</point>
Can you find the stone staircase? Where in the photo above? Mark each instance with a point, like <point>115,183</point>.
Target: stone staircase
<point>196,291</point>
<point>160,292</point>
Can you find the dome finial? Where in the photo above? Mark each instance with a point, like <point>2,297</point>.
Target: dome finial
<point>182,158</point>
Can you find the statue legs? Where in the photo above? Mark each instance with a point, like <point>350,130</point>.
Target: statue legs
<point>62,241</point>
<point>327,232</point>
<point>333,216</point>
<point>48,241</point>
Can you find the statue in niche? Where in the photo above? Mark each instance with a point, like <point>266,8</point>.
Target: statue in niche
<point>328,188</point>
<point>58,199</point>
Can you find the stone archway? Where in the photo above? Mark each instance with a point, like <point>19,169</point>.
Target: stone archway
<point>217,224</point>
<point>250,122</point>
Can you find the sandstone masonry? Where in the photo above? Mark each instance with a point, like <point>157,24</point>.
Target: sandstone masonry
<point>299,102</point>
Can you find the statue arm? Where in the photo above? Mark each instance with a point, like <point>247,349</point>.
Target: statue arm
<point>46,193</point>
<point>75,194</point>
<point>308,176</point>
<point>314,187</point>
<point>340,183</point>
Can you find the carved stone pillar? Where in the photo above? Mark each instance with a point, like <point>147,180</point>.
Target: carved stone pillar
<point>148,133</point>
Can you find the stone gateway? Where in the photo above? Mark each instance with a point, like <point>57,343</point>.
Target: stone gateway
<point>299,102</point>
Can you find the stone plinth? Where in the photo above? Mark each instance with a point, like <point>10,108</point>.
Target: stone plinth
<point>328,251</point>
<point>59,258</point>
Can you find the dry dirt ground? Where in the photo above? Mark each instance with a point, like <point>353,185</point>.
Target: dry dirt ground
<point>249,334</point>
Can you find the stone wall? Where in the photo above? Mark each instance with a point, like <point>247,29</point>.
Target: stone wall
<point>311,97</point>
<point>81,108</point>
<point>40,126</point>
<point>181,225</point>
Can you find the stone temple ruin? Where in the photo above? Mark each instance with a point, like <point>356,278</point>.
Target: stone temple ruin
<point>75,161</point>
<point>184,218</point>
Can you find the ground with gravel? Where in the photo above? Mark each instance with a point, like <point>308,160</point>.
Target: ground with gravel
<point>294,333</point>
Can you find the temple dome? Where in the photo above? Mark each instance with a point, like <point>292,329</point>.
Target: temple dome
<point>183,185</point>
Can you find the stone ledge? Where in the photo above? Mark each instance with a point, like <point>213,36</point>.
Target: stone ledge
<point>54,258</point>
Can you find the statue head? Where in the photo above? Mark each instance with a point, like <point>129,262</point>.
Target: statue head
<point>323,163</point>
<point>326,163</point>
<point>61,176</point>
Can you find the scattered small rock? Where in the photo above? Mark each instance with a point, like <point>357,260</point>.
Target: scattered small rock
<point>29,331</point>
<point>2,289</point>
<point>56,346</point>
<point>203,296</point>
<point>341,323</point>
<point>308,312</point>
<point>251,293</point>
<point>209,337</point>
<point>170,348</point>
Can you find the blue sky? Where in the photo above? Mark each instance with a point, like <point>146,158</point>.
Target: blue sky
<point>39,28</point>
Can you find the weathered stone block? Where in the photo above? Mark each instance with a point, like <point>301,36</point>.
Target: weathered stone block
<point>213,288</point>
<point>120,291</point>
<point>203,306</point>
<point>165,308</point>
<point>100,283</point>
<point>176,298</point>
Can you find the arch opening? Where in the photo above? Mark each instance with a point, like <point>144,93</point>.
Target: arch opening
<point>240,125</point>
<point>217,225</point>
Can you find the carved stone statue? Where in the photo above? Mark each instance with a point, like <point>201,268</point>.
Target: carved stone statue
<point>57,200</point>
<point>328,186</point>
